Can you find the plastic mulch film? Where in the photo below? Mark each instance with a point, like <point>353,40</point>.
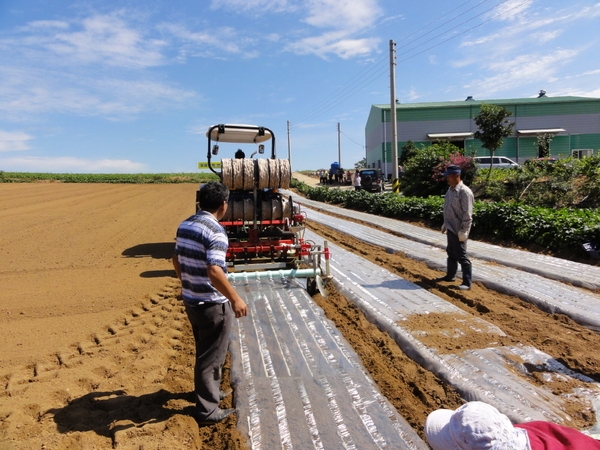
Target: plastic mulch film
<point>581,305</point>
<point>493,374</point>
<point>298,383</point>
<point>578,274</point>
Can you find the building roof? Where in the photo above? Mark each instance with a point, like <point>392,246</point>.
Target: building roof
<point>504,101</point>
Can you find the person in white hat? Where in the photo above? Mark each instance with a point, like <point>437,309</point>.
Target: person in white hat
<point>479,426</point>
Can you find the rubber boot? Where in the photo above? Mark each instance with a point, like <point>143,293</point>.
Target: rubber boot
<point>467,276</point>
<point>451,268</point>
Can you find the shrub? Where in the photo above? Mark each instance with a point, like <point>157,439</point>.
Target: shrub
<point>552,228</point>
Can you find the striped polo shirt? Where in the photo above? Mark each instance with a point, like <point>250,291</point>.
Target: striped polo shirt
<point>201,241</point>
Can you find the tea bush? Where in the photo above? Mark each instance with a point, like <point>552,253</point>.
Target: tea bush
<point>552,228</point>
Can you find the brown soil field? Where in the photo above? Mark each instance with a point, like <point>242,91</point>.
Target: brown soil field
<point>96,351</point>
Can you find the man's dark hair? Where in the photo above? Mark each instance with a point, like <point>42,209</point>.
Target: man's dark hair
<point>212,196</point>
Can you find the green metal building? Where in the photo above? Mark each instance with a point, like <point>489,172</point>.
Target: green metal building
<point>574,123</point>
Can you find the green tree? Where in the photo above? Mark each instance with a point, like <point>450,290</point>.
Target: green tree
<point>361,164</point>
<point>408,151</point>
<point>420,178</point>
<point>494,126</point>
<point>543,144</point>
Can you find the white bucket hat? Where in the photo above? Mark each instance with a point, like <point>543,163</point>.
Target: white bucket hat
<point>473,426</point>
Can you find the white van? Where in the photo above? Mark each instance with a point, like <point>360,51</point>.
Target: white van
<point>499,162</point>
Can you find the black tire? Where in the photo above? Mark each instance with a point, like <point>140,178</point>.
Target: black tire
<point>311,286</point>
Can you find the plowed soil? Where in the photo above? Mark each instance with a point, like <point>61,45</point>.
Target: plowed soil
<point>96,351</point>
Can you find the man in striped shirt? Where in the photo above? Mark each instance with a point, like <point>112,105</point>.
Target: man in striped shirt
<point>210,300</point>
<point>458,217</point>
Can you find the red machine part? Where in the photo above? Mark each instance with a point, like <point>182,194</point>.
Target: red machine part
<point>298,218</point>
<point>258,246</point>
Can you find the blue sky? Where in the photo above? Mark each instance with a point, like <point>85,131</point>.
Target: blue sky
<point>132,86</point>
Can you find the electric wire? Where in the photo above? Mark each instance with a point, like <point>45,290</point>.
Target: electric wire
<point>383,60</point>
<point>351,140</point>
<point>465,31</point>
<point>323,106</point>
<point>353,87</point>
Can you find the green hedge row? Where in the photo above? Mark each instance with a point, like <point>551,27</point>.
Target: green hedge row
<point>555,229</point>
<point>139,178</point>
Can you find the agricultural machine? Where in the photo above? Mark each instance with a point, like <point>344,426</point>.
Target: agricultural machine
<point>265,228</point>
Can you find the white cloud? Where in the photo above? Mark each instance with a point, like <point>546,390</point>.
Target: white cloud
<point>413,94</point>
<point>49,24</point>
<point>256,6</point>
<point>14,141</point>
<point>511,9</point>
<point>335,43</point>
<point>25,91</point>
<point>350,15</point>
<point>546,36</point>
<point>346,19</point>
<point>535,48</point>
<point>577,92</point>
<point>100,39</point>
<point>107,39</point>
<point>512,35</point>
<point>211,42</point>
<point>520,71</point>
<point>66,164</point>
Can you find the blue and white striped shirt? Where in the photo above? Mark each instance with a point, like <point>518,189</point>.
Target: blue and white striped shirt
<point>201,241</point>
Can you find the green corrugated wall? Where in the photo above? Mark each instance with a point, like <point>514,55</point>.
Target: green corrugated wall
<point>585,141</point>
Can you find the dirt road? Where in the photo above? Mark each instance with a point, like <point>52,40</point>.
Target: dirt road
<point>95,350</point>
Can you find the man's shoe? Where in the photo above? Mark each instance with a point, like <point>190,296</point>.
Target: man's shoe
<point>217,417</point>
<point>446,278</point>
<point>464,287</point>
<point>225,394</point>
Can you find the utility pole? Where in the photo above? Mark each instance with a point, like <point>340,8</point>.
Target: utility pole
<point>339,147</point>
<point>289,144</point>
<point>385,169</point>
<point>393,110</point>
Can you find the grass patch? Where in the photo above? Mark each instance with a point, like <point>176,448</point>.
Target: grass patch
<point>138,178</point>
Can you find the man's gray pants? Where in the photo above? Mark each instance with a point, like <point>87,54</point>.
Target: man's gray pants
<point>211,325</point>
<point>457,254</point>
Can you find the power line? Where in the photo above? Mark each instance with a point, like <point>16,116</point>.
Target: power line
<point>350,139</point>
<point>325,103</point>
<point>336,100</point>
<point>464,32</point>
<point>462,23</point>
<point>448,21</point>
<point>378,68</point>
<point>331,102</point>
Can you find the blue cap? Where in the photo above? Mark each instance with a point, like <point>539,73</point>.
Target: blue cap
<point>451,170</point>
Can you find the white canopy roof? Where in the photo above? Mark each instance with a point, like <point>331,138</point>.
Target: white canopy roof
<point>466,134</point>
<point>541,131</point>
<point>238,133</point>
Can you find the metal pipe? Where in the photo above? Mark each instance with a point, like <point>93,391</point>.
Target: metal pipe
<point>327,256</point>
<point>291,273</point>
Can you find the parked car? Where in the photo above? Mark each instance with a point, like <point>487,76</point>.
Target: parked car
<point>372,180</point>
<point>542,160</point>
<point>499,162</point>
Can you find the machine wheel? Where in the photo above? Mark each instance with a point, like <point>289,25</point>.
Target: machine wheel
<point>321,286</point>
<point>311,286</point>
